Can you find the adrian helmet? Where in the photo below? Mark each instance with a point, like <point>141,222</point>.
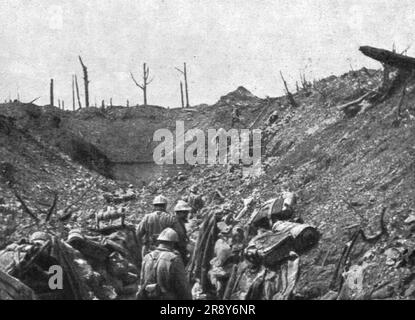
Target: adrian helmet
<point>168,235</point>
<point>182,206</point>
<point>160,199</point>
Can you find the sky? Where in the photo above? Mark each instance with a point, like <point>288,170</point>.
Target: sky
<point>224,43</point>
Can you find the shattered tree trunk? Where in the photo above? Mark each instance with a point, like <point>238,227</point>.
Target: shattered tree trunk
<point>73,93</point>
<point>288,93</point>
<point>86,82</point>
<point>390,58</point>
<point>144,84</point>
<point>186,88</point>
<point>51,93</point>
<point>181,93</point>
<point>77,92</point>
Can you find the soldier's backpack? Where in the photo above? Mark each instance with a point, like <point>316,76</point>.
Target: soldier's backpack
<point>269,248</point>
<point>151,289</point>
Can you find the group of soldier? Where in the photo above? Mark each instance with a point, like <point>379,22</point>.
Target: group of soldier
<point>165,246</point>
<point>164,251</point>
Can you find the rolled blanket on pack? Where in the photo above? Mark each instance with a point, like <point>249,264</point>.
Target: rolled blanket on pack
<point>90,249</point>
<point>305,236</point>
<point>274,209</point>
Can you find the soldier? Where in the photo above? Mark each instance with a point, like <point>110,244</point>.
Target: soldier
<point>182,210</point>
<point>195,200</point>
<point>163,275</point>
<point>235,116</point>
<point>153,223</point>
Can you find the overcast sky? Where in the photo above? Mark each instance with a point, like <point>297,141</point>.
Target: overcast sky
<point>225,44</point>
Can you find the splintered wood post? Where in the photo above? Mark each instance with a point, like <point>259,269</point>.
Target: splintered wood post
<point>73,93</point>
<point>51,93</point>
<point>146,82</point>
<point>77,92</point>
<point>185,85</point>
<point>128,103</point>
<point>86,82</point>
<point>63,104</point>
<point>103,104</point>
<point>288,93</point>
<point>59,103</point>
<point>181,93</point>
<point>111,102</point>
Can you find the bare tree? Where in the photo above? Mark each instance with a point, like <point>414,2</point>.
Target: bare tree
<point>146,82</point>
<point>186,88</point>
<point>77,92</point>
<point>51,93</point>
<point>86,82</point>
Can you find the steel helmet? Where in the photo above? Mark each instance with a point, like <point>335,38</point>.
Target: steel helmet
<point>169,235</point>
<point>160,199</point>
<point>39,236</point>
<point>182,206</point>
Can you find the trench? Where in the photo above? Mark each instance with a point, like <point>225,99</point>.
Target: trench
<point>142,173</point>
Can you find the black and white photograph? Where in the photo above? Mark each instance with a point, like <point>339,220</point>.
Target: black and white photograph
<point>220,151</point>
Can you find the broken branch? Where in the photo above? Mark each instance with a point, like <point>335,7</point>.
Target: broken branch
<point>52,208</point>
<point>354,102</point>
<point>135,81</point>
<point>24,206</point>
